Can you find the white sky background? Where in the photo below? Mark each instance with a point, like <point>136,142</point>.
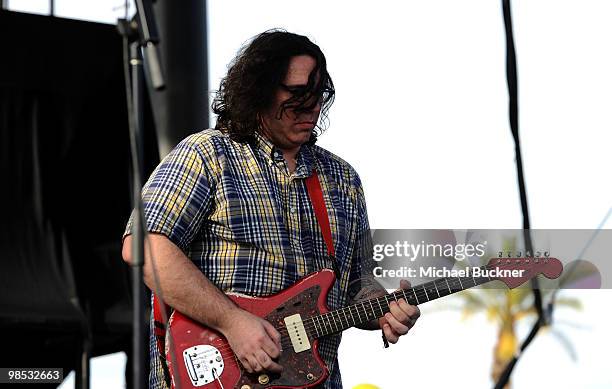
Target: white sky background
<point>421,113</point>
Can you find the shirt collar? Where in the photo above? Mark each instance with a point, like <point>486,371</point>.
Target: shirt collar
<point>305,158</point>
<point>267,148</point>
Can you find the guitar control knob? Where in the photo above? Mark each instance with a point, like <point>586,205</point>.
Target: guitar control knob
<point>263,379</point>
<point>245,387</point>
<point>310,376</point>
<point>218,359</point>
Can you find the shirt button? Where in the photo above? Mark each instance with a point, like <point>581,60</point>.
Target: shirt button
<point>293,209</point>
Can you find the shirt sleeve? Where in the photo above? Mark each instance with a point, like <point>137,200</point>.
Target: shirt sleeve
<point>177,195</point>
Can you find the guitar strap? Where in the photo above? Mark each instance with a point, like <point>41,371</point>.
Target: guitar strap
<point>159,331</point>
<point>316,198</point>
<point>313,186</point>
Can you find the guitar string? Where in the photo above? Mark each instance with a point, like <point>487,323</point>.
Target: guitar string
<point>325,320</point>
<point>419,292</point>
<point>453,285</point>
<point>312,328</point>
<point>234,361</point>
<point>329,327</point>
<point>310,325</point>
<point>398,294</point>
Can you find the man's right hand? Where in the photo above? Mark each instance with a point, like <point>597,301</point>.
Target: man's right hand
<point>254,340</point>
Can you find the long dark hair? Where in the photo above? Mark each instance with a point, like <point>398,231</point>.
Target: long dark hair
<point>254,77</point>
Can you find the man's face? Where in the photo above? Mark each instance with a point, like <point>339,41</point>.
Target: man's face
<point>292,129</point>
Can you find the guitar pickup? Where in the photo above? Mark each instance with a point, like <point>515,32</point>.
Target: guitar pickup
<point>297,333</point>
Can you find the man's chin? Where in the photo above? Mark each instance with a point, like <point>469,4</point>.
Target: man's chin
<point>302,138</point>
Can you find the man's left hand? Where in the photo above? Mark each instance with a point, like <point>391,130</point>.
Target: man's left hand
<point>400,319</point>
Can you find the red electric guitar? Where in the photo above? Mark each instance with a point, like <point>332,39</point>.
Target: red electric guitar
<point>204,358</point>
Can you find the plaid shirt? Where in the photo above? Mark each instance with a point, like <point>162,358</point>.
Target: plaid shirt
<point>249,225</point>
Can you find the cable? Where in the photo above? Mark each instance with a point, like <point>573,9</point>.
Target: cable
<point>511,76</point>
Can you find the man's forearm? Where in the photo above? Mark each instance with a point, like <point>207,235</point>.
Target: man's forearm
<point>183,285</point>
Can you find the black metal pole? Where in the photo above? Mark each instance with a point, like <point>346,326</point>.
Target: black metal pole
<point>137,228</point>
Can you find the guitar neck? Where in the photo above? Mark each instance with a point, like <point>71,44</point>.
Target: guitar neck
<point>367,310</point>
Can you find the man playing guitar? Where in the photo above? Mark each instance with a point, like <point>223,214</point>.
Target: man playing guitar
<point>229,211</point>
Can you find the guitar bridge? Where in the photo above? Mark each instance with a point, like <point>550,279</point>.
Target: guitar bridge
<point>297,333</point>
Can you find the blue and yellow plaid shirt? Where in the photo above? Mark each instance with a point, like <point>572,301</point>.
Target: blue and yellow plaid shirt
<point>249,225</point>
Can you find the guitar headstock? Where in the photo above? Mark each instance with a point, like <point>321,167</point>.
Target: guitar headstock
<point>517,271</point>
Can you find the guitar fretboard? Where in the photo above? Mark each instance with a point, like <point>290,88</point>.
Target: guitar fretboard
<point>364,311</point>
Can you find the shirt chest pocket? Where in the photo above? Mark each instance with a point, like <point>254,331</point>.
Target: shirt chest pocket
<point>246,212</point>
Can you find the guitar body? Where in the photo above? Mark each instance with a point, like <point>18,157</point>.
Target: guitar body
<point>204,357</point>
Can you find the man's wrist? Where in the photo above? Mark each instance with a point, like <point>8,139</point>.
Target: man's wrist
<point>226,316</point>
